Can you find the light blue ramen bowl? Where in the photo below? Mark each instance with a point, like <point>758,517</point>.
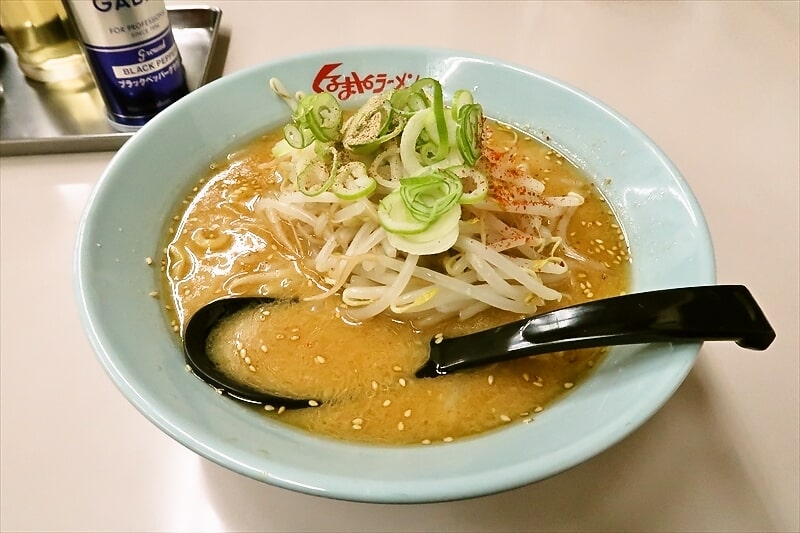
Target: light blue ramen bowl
<point>126,218</point>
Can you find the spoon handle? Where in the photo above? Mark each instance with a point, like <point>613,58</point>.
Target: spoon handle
<point>691,314</point>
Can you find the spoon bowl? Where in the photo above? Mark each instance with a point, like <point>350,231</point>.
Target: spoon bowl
<point>690,314</point>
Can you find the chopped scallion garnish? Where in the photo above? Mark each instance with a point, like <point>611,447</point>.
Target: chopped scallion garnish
<point>423,178</point>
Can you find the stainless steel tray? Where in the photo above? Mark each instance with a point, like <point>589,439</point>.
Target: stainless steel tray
<point>35,120</point>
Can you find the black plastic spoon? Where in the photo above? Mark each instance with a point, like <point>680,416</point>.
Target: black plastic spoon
<point>690,314</point>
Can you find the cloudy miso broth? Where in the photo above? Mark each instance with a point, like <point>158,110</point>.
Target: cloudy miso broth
<point>223,242</point>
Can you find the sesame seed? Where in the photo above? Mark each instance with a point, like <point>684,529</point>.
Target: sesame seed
<point>387,403</point>
<point>248,360</point>
<point>319,359</point>
<point>527,420</point>
<point>402,382</point>
<point>280,336</point>
<point>243,353</point>
<point>294,337</point>
<point>148,260</point>
<point>401,426</point>
<point>356,426</point>
<point>425,441</point>
<point>505,418</point>
<point>447,439</point>
<point>264,348</point>
<point>397,368</point>
<point>490,379</point>
<point>269,407</point>
<point>538,384</point>
<point>538,409</point>
<point>526,377</point>
<point>188,368</point>
<point>568,385</point>
<point>252,368</point>
<point>374,385</point>
<point>281,409</point>
<point>313,403</point>
<point>153,293</point>
<point>357,421</point>
<point>407,413</point>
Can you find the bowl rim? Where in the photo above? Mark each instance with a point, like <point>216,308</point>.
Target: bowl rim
<point>401,492</point>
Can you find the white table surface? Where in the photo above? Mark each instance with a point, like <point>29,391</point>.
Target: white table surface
<point>714,84</point>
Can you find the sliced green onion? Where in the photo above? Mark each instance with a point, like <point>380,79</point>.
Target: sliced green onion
<point>442,138</point>
<point>417,102</point>
<point>461,98</point>
<point>427,153</point>
<point>473,182</point>
<point>374,123</point>
<point>408,141</point>
<point>399,101</point>
<point>296,137</point>
<point>389,159</point>
<point>316,177</point>
<point>395,218</point>
<point>321,114</point>
<point>325,117</point>
<point>352,182</point>
<point>436,238</point>
<point>427,197</point>
<point>469,132</point>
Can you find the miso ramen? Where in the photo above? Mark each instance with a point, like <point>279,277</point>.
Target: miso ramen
<point>361,290</point>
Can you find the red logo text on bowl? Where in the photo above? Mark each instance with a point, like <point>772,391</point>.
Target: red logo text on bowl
<point>346,85</point>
